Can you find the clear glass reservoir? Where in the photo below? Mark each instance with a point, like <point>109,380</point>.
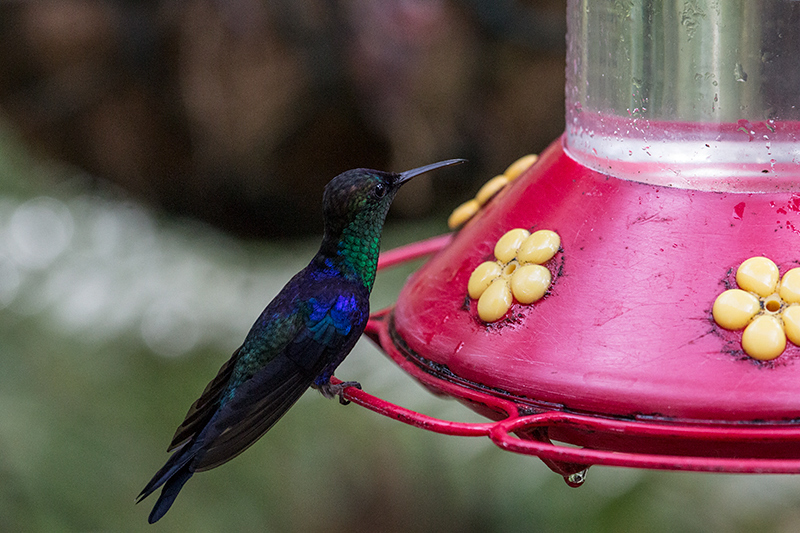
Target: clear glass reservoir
<point>698,94</point>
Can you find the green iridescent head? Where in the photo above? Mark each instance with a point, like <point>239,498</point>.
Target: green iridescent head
<point>355,205</point>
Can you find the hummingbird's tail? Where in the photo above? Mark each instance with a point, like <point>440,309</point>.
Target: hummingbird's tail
<point>168,494</point>
<point>173,475</point>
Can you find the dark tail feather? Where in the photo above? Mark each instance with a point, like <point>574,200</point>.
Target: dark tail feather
<point>177,471</point>
<point>168,494</point>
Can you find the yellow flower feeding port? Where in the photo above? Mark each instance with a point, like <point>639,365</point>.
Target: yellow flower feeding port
<point>517,273</point>
<point>765,306</point>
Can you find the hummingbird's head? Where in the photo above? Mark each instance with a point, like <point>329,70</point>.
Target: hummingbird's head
<point>363,196</point>
<point>355,204</point>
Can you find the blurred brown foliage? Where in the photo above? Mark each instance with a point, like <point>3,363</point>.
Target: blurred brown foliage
<point>238,112</point>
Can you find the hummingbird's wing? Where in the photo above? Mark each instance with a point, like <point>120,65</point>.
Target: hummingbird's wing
<point>272,369</point>
<point>264,398</point>
<point>213,424</point>
<point>205,406</point>
<point>257,406</point>
<point>276,364</point>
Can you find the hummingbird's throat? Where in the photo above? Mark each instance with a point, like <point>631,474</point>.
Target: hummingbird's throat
<point>360,246</point>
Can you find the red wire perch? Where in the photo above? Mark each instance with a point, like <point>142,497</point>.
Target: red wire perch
<point>527,434</point>
<point>501,435</point>
<point>413,251</point>
<point>413,418</point>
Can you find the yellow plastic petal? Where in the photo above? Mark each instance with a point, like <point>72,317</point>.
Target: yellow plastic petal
<point>490,188</point>
<point>540,247</point>
<point>758,275</point>
<point>529,283</point>
<point>482,277</point>
<point>495,301</point>
<point>463,213</point>
<point>520,165</point>
<point>791,323</point>
<point>790,287</point>
<point>764,339</point>
<point>734,308</point>
<point>506,248</point>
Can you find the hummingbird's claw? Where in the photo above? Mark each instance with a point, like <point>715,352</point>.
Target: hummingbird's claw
<point>329,390</point>
<point>346,384</point>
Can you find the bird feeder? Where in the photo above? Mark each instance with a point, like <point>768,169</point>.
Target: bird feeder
<point>631,297</point>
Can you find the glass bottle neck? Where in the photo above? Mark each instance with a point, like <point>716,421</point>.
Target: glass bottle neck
<point>702,94</point>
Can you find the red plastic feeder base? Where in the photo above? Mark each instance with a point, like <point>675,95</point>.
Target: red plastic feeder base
<point>622,356</point>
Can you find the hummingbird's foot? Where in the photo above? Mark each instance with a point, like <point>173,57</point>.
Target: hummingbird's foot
<point>329,390</point>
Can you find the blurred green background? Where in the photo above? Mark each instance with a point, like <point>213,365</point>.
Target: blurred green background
<point>123,288</point>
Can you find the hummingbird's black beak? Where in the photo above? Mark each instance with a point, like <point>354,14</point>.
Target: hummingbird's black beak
<point>408,174</point>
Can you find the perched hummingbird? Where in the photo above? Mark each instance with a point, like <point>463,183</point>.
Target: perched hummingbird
<point>304,333</point>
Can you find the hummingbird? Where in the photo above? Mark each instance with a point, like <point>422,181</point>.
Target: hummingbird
<point>299,339</point>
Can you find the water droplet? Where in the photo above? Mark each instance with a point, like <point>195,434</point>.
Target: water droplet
<point>577,479</point>
<point>739,74</point>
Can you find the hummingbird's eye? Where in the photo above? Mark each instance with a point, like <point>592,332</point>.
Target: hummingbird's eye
<point>380,189</point>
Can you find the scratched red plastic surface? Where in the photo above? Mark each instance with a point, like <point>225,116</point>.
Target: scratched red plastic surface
<point>626,329</point>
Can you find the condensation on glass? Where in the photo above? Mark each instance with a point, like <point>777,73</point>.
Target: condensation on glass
<point>700,94</point>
